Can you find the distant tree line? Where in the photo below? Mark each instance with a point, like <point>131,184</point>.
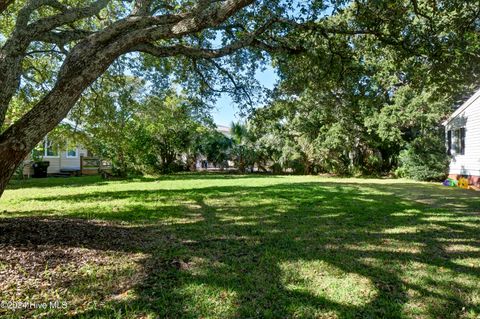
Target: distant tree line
<point>141,133</point>
<point>317,131</point>
<point>319,128</point>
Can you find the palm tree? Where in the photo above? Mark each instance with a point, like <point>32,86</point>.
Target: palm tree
<point>241,151</point>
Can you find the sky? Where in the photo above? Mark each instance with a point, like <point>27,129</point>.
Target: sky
<point>225,111</point>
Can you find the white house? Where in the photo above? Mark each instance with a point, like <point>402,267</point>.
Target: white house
<point>62,159</point>
<point>463,140</point>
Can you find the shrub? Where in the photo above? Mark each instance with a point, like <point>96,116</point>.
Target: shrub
<point>276,168</point>
<point>18,172</point>
<point>424,159</point>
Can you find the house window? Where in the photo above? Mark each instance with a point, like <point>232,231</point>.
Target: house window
<point>72,150</point>
<point>51,150</point>
<point>46,148</point>
<point>449,142</point>
<point>460,141</point>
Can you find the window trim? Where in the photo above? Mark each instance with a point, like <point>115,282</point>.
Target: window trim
<point>462,140</point>
<point>459,145</point>
<point>67,150</point>
<point>45,149</point>
<point>449,142</point>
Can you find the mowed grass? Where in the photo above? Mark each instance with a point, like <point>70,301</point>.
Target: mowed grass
<point>227,246</point>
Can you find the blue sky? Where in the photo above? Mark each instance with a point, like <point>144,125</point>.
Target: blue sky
<point>225,110</point>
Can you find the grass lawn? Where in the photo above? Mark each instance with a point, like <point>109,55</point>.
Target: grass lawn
<point>213,246</point>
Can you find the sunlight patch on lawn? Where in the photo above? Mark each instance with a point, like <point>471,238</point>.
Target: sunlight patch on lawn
<point>461,248</point>
<point>388,245</point>
<point>444,217</point>
<point>326,281</point>
<point>406,213</point>
<point>467,262</point>
<point>431,289</point>
<point>414,229</point>
<point>401,230</point>
<point>203,300</point>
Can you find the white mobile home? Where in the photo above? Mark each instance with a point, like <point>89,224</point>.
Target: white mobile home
<point>463,140</point>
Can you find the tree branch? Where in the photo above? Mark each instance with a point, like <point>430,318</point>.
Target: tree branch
<point>232,80</point>
<point>205,53</point>
<point>62,37</point>
<point>67,16</point>
<point>204,79</point>
<point>4,5</point>
<point>141,7</point>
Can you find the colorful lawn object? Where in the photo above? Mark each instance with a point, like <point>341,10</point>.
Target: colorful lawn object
<point>463,183</point>
<point>450,182</point>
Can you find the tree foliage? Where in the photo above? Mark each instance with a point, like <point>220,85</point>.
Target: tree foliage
<point>424,159</point>
<point>166,131</point>
<point>216,147</point>
<point>379,86</point>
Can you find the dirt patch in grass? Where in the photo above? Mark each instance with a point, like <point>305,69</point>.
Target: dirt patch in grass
<point>72,261</point>
<point>36,231</point>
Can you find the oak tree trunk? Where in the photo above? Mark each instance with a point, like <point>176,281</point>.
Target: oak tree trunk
<point>20,138</point>
<point>10,159</point>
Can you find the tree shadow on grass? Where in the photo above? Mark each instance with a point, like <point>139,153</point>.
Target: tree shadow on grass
<point>301,250</point>
<point>98,180</point>
<point>56,182</point>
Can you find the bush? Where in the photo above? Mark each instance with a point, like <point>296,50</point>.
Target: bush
<point>18,172</point>
<point>276,168</point>
<point>175,167</point>
<point>297,166</point>
<point>424,159</point>
<point>373,162</point>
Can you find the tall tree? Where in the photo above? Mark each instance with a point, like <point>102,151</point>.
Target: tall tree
<point>242,146</point>
<point>107,114</point>
<point>166,130</point>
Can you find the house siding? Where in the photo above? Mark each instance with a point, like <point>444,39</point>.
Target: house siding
<point>467,164</point>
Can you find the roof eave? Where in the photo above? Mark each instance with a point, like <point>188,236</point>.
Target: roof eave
<point>463,107</point>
